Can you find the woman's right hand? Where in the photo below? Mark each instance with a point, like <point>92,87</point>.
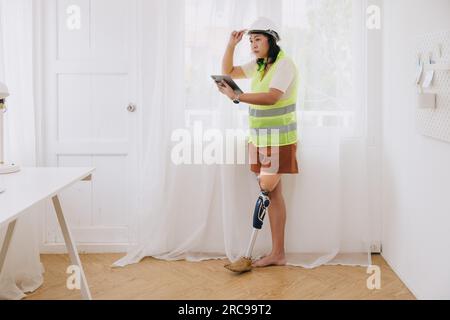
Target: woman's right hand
<point>236,37</point>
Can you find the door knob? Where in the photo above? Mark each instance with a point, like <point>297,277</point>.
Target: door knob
<point>131,107</point>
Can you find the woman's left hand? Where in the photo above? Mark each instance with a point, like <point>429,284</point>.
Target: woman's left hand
<point>225,89</point>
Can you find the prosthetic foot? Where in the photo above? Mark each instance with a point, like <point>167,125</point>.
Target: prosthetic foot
<point>244,264</point>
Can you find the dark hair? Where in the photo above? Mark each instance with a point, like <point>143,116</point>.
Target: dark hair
<point>274,50</point>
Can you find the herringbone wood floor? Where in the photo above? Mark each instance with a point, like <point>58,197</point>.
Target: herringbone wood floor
<point>153,279</point>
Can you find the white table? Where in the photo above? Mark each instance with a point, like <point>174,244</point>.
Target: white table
<point>30,186</point>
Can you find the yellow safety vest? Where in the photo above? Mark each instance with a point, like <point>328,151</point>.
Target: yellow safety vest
<point>274,125</point>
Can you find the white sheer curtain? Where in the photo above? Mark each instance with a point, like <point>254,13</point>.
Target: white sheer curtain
<point>199,212</point>
<point>23,270</point>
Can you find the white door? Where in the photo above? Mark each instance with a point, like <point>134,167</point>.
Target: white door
<point>90,81</point>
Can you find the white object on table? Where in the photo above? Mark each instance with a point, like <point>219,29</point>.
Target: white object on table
<point>30,186</point>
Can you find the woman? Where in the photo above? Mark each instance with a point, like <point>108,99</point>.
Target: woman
<point>273,121</point>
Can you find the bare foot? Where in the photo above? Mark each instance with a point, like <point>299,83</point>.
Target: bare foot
<point>270,260</point>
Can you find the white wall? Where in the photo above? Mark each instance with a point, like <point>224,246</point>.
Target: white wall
<point>416,169</point>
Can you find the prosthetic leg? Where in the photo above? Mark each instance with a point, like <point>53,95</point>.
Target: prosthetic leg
<point>245,263</point>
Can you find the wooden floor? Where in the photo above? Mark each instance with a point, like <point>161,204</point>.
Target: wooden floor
<point>155,280</point>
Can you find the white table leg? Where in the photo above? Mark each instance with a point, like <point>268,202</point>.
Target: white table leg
<point>71,247</point>
<point>6,243</point>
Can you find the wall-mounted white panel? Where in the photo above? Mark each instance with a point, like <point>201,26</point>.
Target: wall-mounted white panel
<point>435,122</point>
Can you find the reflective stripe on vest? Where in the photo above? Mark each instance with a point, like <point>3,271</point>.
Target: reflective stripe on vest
<point>279,129</point>
<point>274,125</point>
<point>272,112</point>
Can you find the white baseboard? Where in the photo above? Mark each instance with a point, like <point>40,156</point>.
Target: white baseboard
<point>85,248</point>
<point>401,277</point>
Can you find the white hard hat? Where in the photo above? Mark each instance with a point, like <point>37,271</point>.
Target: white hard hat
<point>266,26</point>
<point>4,92</point>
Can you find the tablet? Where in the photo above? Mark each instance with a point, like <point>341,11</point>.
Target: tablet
<point>230,82</point>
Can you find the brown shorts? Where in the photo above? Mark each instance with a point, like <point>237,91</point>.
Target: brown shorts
<point>275,160</point>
